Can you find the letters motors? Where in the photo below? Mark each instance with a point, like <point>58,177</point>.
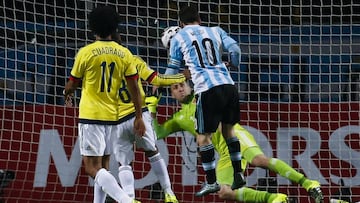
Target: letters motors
<point>337,146</point>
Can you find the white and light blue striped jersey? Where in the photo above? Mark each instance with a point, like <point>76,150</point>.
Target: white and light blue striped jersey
<point>201,48</point>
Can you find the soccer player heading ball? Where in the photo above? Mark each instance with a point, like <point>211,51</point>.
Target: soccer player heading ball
<point>252,153</point>
<point>201,47</point>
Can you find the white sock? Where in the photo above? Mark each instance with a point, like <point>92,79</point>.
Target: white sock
<point>99,194</point>
<point>126,178</point>
<point>110,186</point>
<point>158,165</point>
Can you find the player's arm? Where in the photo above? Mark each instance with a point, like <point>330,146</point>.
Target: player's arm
<point>75,78</point>
<point>165,80</point>
<point>153,77</point>
<point>168,127</point>
<point>234,55</point>
<point>70,88</point>
<point>175,58</point>
<point>132,85</point>
<point>232,47</point>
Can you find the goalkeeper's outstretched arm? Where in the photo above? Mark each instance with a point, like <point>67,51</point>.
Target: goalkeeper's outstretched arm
<point>168,127</point>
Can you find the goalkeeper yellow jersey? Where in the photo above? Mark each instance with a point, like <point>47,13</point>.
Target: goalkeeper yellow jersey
<point>126,107</point>
<point>102,66</point>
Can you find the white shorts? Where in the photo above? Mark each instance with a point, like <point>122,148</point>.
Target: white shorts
<point>124,141</point>
<point>95,140</point>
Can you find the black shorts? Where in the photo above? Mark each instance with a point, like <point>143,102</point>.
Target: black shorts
<point>218,104</point>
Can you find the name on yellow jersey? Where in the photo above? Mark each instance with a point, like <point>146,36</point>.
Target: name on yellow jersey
<point>107,50</point>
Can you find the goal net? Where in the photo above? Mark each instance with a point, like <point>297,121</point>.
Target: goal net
<point>299,84</point>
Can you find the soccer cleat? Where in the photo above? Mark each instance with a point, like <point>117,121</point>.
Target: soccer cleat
<point>170,198</point>
<point>207,189</point>
<point>239,181</point>
<point>315,192</point>
<point>279,198</point>
<point>135,201</point>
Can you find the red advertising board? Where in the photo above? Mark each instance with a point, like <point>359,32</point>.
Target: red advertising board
<point>38,144</point>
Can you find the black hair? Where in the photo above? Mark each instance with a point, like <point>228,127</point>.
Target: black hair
<point>103,21</point>
<point>116,37</point>
<point>189,14</point>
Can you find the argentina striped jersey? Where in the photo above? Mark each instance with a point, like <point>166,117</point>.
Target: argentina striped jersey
<point>201,48</point>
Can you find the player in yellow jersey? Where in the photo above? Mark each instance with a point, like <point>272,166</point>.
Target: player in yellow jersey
<point>102,66</point>
<point>124,142</point>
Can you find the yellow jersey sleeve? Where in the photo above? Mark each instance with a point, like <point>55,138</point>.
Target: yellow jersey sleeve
<point>131,69</point>
<point>151,76</point>
<point>79,65</point>
<point>126,107</point>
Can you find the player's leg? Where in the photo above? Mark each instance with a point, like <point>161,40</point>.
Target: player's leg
<point>158,165</point>
<point>246,194</point>
<point>99,194</point>
<point>283,169</point>
<point>257,158</point>
<point>127,180</point>
<point>93,145</point>
<point>230,117</point>
<point>123,150</point>
<point>207,122</point>
<point>224,172</point>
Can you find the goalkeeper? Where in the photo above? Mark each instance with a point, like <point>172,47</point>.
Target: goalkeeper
<point>183,120</point>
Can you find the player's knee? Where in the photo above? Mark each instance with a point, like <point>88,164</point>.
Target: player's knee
<point>260,161</point>
<point>92,165</point>
<point>204,139</point>
<point>125,168</point>
<point>91,171</point>
<point>151,153</point>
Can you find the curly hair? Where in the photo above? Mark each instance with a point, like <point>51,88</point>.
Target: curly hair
<point>103,21</point>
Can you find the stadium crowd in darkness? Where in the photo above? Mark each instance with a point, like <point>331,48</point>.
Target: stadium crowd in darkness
<point>138,28</point>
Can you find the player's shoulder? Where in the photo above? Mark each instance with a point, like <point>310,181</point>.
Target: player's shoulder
<point>105,44</point>
<point>142,67</point>
<point>86,48</point>
<point>217,29</point>
<point>138,60</point>
<point>89,48</point>
<point>237,126</point>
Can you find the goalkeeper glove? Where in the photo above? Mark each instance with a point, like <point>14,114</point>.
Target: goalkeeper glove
<point>152,102</point>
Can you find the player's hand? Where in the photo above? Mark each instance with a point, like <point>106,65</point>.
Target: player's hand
<point>226,192</point>
<point>68,98</point>
<point>154,88</point>
<point>139,126</point>
<point>230,66</point>
<point>187,74</point>
<point>152,102</point>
